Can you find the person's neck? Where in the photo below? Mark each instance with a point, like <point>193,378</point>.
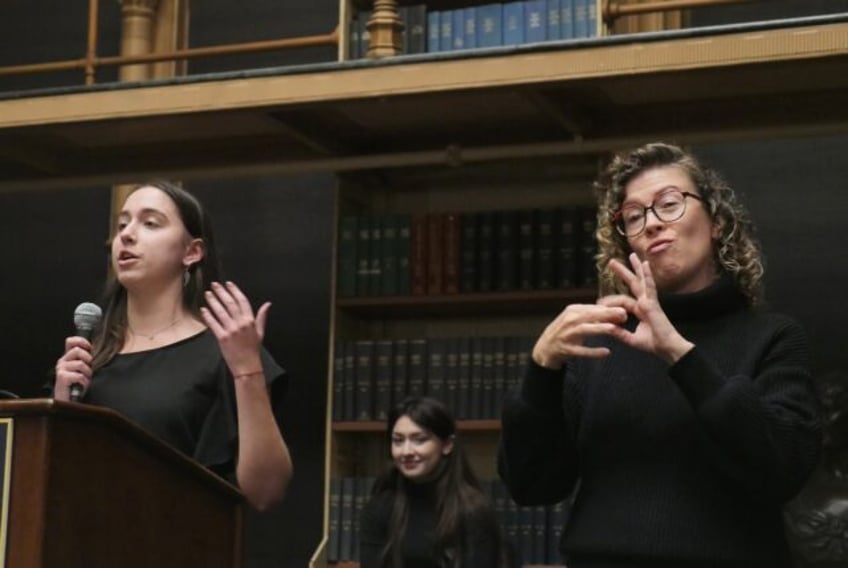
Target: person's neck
<point>154,312</point>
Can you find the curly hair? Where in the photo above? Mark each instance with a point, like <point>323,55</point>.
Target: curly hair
<point>736,250</point>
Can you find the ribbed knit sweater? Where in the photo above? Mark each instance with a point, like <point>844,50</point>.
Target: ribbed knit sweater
<point>685,465</point>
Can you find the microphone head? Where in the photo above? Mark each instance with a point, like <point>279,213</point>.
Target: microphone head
<point>86,316</point>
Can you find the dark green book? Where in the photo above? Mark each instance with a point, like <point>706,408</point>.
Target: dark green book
<point>506,247</point>
<point>363,255</point>
<point>334,517</point>
<point>568,228</point>
<point>468,255</point>
<point>452,375</point>
<point>402,252</point>
<point>545,258</point>
<point>586,267</point>
<point>476,398</point>
<point>339,380</point>
<point>500,387</point>
<point>418,255</point>
<point>346,277</point>
<point>452,256</point>
<point>388,256</point>
<point>527,249</point>
<point>436,352</point>
<point>416,29</point>
<point>485,251</point>
<point>400,358</point>
<point>463,379</point>
<point>417,367</point>
<point>383,378</point>
<point>375,254</point>
<point>487,405</point>
<point>364,379</point>
<point>349,385</point>
<point>346,537</point>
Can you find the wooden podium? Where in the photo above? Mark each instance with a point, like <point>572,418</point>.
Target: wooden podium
<point>86,488</point>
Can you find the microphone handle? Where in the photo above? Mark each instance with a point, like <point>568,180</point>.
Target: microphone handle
<point>76,388</point>
<point>76,392</point>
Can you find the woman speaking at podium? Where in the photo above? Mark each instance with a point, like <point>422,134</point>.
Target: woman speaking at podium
<point>180,353</point>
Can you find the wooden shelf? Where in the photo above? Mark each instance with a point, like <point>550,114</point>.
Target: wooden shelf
<point>481,304</point>
<point>377,426</point>
<point>565,98</point>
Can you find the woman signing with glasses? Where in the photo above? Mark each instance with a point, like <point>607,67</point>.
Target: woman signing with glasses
<point>676,411</point>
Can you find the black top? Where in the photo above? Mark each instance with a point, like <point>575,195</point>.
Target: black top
<point>182,393</point>
<point>686,465</point>
<point>419,548</point>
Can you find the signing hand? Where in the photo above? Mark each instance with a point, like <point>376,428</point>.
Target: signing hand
<point>654,332</point>
<point>564,336</point>
<point>239,334</point>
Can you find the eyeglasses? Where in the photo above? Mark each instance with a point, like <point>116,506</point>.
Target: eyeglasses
<point>669,207</point>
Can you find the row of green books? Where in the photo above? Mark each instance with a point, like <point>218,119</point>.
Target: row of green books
<point>485,25</point>
<point>450,253</point>
<point>470,374</point>
<point>532,533</point>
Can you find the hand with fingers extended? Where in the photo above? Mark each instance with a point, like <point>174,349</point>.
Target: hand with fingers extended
<point>563,337</point>
<point>230,317</point>
<point>654,333</point>
<point>74,367</point>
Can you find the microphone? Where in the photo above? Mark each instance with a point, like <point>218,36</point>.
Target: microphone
<point>86,317</point>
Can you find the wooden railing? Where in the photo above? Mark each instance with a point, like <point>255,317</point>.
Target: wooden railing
<point>385,9</point>
<point>91,61</point>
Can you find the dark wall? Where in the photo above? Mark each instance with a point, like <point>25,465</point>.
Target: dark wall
<point>30,37</point>
<point>796,192</point>
<point>53,257</point>
<point>766,10</point>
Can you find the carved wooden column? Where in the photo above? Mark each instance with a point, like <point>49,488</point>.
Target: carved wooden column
<point>384,28</point>
<point>137,20</point>
<point>170,33</point>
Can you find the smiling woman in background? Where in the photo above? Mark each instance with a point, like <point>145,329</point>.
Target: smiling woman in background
<point>680,414</point>
<point>427,510</point>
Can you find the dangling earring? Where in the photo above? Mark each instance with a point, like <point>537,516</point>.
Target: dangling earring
<point>186,276</point>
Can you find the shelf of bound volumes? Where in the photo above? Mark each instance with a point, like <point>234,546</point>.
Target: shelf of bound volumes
<point>446,26</point>
<point>532,533</point>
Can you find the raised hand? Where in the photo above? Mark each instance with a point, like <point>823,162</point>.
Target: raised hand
<point>654,333</point>
<point>230,317</point>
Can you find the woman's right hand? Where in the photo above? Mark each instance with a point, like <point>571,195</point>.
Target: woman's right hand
<point>563,337</point>
<point>74,367</point>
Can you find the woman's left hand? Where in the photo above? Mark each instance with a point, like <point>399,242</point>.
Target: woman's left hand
<point>229,315</point>
<point>654,332</point>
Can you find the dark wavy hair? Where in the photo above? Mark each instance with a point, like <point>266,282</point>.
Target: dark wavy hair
<point>458,494</point>
<point>110,335</point>
<point>736,250</point>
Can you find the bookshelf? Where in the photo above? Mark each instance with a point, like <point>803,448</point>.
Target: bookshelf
<point>463,338</point>
<point>381,28</point>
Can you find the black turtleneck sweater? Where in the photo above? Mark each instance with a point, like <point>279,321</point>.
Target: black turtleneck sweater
<point>685,465</point>
<point>419,545</point>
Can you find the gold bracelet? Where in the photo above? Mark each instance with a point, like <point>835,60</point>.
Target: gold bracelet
<point>250,374</point>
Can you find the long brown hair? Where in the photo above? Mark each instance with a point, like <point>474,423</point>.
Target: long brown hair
<point>110,336</point>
